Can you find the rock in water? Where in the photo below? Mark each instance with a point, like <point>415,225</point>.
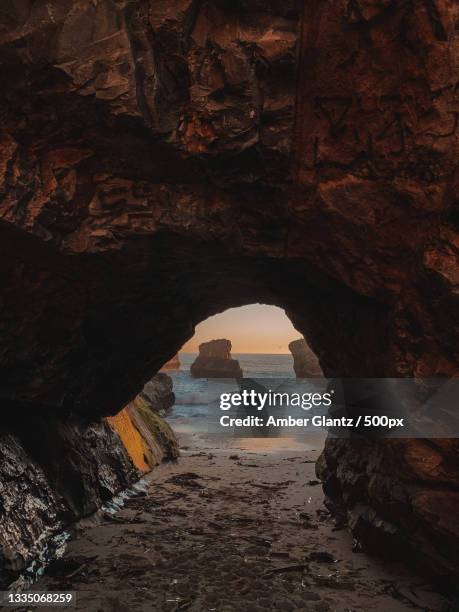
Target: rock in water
<point>215,361</point>
<point>159,394</point>
<point>305,363</point>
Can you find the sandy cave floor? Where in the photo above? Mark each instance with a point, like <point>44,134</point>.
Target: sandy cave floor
<point>226,529</point>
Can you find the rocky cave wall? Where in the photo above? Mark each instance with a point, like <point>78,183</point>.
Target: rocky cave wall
<point>55,471</point>
<point>163,161</point>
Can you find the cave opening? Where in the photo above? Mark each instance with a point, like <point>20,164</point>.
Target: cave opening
<point>255,342</point>
<point>116,318</point>
<point>252,329</point>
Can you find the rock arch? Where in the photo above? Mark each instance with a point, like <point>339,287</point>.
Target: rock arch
<point>157,167</point>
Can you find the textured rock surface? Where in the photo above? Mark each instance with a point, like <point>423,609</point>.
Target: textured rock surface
<point>159,394</point>
<point>161,161</point>
<point>148,439</point>
<point>305,363</point>
<point>46,486</point>
<point>160,440</point>
<point>399,497</point>
<point>53,473</point>
<point>215,361</point>
<point>216,349</point>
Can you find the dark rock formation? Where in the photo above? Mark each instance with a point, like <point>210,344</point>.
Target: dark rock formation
<point>172,364</point>
<point>215,361</point>
<point>53,473</point>
<point>161,161</point>
<point>305,363</point>
<point>398,498</point>
<point>159,393</point>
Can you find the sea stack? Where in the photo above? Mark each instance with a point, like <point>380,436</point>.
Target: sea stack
<point>172,364</point>
<point>215,361</point>
<point>305,363</point>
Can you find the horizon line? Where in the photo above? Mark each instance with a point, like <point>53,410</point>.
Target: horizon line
<point>234,353</point>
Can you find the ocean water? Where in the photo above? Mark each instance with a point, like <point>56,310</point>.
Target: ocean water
<point>194,395</point>
<point>196,409</point>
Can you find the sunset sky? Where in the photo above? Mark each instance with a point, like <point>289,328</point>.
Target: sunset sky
<point>252,329</point>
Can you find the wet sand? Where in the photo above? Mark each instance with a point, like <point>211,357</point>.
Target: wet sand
<point>235,528</point>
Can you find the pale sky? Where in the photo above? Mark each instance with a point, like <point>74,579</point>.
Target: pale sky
<point>252,329</point>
